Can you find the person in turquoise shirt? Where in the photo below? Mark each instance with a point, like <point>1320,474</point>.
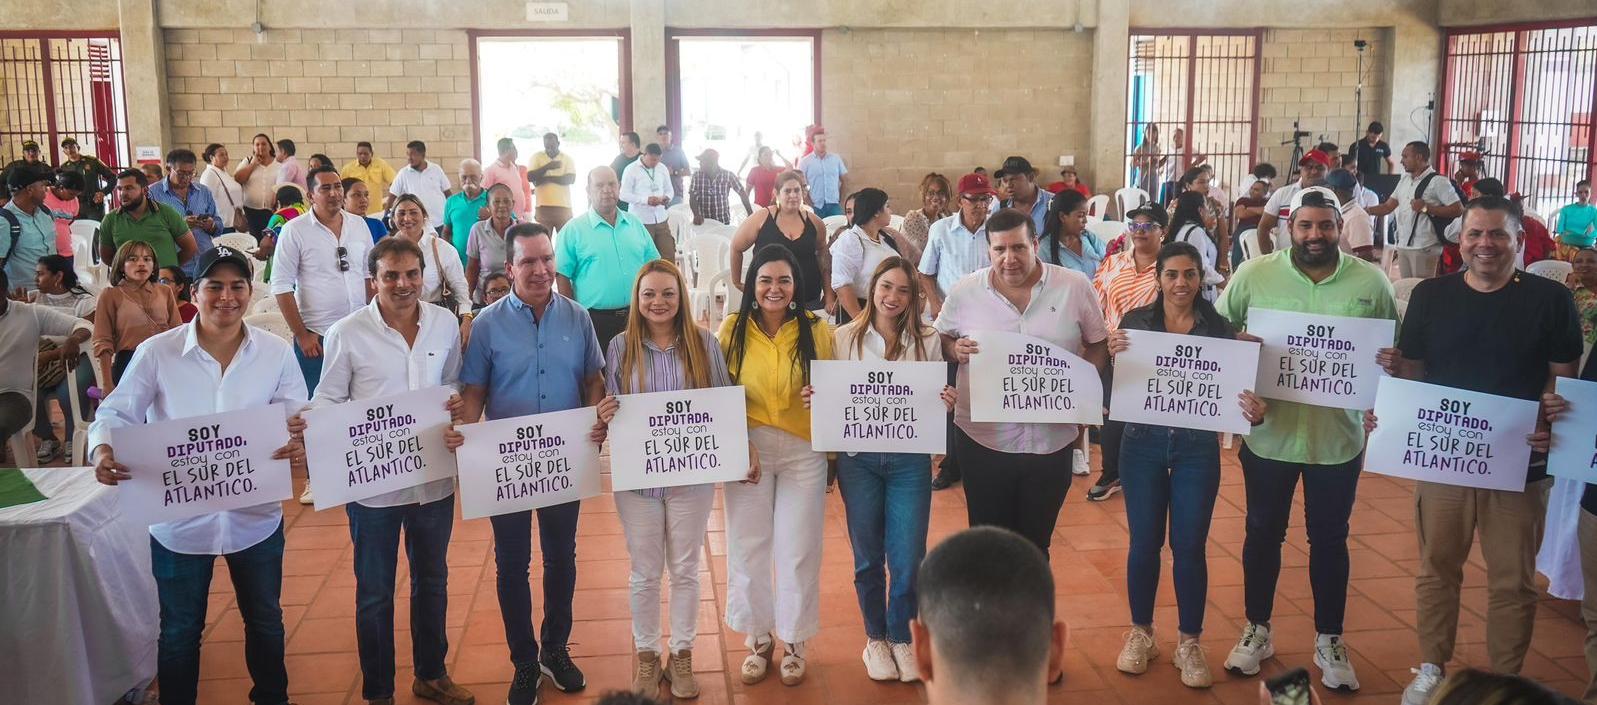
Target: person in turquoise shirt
<point>464,209</point>
<point>599,253</point>
<point>1321,447</point>
<point>1577,223</point>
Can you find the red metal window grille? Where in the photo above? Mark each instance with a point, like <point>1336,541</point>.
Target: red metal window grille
<point>59,85</point>
<point>1204,83</point>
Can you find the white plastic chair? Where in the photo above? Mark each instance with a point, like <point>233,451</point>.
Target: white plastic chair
<point>23,446</point>
<point>1554,269</point>
<point>80,420</point>
<point>91,275</point>
<point>833,222</point>
<point>271,322</point>
<point>265,305</point>
<point>1130,198</point>
<point>85,230</point>
<point>896,222</point>
<point>704,256</point>
<point>1096,207</point>
<point>1250,244</point>
<point>243,242</point>
<point>680,223</point>
<point>1107,230</point>
<point>703,298</point>
<point>1403,288</point>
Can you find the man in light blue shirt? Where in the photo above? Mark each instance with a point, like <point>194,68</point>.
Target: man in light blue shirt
<point>600,254</point>
<point>533,352</point>
<point>21,248</point>
<point>957,245</point>
<point>194,201</point>
<point>824,171</point>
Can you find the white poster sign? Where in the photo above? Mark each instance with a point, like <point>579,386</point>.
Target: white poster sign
<point>1319,360</point>
<point>1020,379</point>
<point>527,462</point>
<point>875,406</point>
<point>1574,451</point>
<point>202,464</point>
<point>1450,436</point>
<point>365,448</point>
<point>690,437</point>
<point>1183,381</point>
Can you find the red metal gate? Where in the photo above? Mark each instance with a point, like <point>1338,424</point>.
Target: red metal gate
<point>1206,83</point>
<point>1522,96</point>
<point>59,85</point>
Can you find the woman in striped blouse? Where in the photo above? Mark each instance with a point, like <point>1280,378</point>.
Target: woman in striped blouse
<point>663,350</point>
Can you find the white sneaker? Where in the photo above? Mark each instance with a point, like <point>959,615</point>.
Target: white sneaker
<point>904,659</point>
<point>48,449</point>
<point>878,658</point>
<point>1138,650</point>
<point>1078,463</point>
<point>1193,662</point>
<point>1253,647</point>
<point>1336,667</point>
<point>1420,690</point>
<point>305,497</point>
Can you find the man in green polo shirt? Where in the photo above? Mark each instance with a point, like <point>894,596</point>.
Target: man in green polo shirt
<point>599,253</point>
<point>144,219</point>
<point>1323,446</point>
<point>464,209</point>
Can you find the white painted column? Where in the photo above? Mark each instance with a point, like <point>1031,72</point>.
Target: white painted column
<point>1104,167</point>
<point>144,70</point>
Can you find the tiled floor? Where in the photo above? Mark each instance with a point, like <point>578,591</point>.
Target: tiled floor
<point>1089,559</point>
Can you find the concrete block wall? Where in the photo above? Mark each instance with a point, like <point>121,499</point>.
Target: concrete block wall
<point>1309,75</point>
<point>903,102</point>
<point>326,89</point>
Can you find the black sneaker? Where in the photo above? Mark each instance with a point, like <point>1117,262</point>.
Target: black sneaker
<point>524,689</point>
<point>945,479</point>
<point>556,663</point>
<point>1101,492</point>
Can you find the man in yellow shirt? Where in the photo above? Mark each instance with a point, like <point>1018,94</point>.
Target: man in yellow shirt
<point>374,172</point>
<point>552,172</point>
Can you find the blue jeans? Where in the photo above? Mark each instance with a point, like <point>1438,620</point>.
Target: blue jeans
<point>1169,476</point>
<point>311,367</point>
<point>888,501</point>
<point>183,584</point>
<point>829,209</point>
<point>375,531</point>
<point>557,536</point>
<point>61,394</point>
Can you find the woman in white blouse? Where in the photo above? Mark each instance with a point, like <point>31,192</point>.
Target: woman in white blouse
<point>887,496</point>
<point>227,192</point>
<point>443,276</point>
<point>857,251</point>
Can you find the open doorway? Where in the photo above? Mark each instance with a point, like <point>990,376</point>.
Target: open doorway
<point>571,84</point>
<point>726,87</point>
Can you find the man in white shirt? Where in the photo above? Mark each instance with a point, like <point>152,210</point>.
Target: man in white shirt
<point>318,276</point>
<point>425,179</point>
<point>213,364</point>
<point>1020,470</point>
<point>21,326</point>
<point>646,189</point>
<point>1421,195</point>
<point>395,344</point>
<point>1358,237</point>
<point>1311,172</point>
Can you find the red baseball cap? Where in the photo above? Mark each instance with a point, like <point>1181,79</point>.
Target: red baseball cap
<point>1469,157</point>
<point>1316,156</point>
<point>975,184</point>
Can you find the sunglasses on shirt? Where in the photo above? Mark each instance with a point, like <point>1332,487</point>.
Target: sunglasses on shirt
<point>343,259</point>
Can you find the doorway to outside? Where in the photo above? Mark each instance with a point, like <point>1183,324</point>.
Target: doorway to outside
<point>1205,84</point>
<point>724,87</point>
<point>568,83</point>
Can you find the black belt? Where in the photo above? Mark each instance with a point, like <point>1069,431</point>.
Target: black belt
<point>608,311</point>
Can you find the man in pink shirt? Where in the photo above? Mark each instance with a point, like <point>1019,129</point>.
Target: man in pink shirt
<point>62,201</point>
<point>505,170</point>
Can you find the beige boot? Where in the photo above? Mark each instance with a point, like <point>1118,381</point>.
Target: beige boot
<point>680,673</point>
<point>646,675</point>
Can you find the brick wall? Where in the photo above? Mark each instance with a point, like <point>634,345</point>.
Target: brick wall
<point>902,102</point>
<point>325,89</point>
<point>1309,76</point>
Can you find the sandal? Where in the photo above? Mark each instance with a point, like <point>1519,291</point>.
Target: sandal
<point>792,668</point>
<point>757,664</point>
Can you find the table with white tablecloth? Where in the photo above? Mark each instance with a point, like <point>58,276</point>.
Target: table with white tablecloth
<point>78,610</point>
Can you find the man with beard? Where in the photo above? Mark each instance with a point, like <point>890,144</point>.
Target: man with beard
<point>142,218</point>
<point>1323,446</point>
<point>1533,339</point>
<point>1311,172</point>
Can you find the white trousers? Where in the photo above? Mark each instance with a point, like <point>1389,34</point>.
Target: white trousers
<point>780,521</point>
<point>665,534</point>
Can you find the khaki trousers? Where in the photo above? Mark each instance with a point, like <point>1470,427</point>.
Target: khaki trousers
<point>1588,602</point>
<point>1510,526</point>
<point>551,217</point>
<point>1418,263</point>
<point>667,245</point>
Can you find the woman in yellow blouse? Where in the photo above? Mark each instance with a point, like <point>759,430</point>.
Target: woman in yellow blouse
<point>776,518</point>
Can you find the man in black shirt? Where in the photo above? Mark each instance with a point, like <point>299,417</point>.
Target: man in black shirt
<point>1374,154</point>
<point>1495,330</point>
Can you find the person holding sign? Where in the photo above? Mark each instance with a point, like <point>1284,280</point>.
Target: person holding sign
<point>1020,471</point>
<point>533,352</point>
<point>1321,445</point>
<point>662,350</point>
<point>769,345</point>
<point>1171,477</point>
<point>1534,338</point>
<point>398,343</point>
<point>213,364</point>
<point>1126,281</point>
<point>1555,405</point>
<point>888,496</point>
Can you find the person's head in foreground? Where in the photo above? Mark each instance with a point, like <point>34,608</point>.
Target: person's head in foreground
<point>986,632</point>
<point>1476,687</point>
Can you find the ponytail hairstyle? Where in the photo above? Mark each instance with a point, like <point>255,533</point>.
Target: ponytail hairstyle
<point>63,266</point>
<point>1189,210</point>
<point>1065,203</point>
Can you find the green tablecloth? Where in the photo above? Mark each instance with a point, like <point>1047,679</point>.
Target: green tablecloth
<point>15,489</point>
